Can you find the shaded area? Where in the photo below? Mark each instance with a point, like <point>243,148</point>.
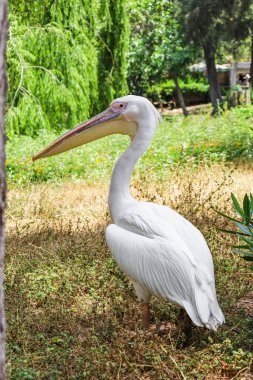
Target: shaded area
<point>73,314</point>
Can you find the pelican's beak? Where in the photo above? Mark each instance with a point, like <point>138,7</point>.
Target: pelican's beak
<point>104,124</point>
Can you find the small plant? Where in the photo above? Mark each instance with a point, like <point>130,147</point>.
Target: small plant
<point>244,227</point>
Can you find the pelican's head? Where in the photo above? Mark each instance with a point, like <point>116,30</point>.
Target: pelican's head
<point>122,117</point>
<point>136,108</point>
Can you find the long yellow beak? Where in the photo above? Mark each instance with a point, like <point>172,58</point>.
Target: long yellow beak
<point>106,123</point>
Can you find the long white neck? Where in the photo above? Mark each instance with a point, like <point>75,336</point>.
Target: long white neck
<point>119,194</point>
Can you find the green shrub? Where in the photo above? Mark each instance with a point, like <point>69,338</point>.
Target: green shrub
<point>166,91</point>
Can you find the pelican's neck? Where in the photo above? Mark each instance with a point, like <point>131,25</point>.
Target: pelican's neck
<point>119,194</point>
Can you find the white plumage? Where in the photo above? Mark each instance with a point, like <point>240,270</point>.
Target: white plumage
<point>167,256</point>
<point>162,252</point>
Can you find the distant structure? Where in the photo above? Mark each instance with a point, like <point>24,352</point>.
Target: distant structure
<point>229,74</point>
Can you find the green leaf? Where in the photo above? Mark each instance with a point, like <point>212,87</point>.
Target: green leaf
<point>233,232</point>
<point>246,208</point>
<point>245,229</point>
<point>241,246</point>
<point>236,205</point>
<point>239,252</point>
<point>248,257</point>
<point>227,216</point>
<point>251,202</point>
<point>248,241</point>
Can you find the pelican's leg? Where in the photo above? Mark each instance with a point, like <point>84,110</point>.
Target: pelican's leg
<point>143,296</point>
<point>145,315</point>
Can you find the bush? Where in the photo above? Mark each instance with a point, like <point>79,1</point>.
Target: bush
<point>193,91</point>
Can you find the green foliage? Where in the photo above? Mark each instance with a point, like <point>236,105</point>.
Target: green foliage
<point>48,88</point>
<point>54,50</point>
<point>112,55</point>
<point>238,23</point>
<point>201,21</point>
<point>198,139</point>
<point>244,227</point>
<point>157,51</point>
<point>166,91</point>
<point>211,22</point>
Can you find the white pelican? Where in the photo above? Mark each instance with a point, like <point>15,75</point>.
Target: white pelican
<point>162,252</point>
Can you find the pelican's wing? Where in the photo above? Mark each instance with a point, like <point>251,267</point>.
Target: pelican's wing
<point>160,261</point>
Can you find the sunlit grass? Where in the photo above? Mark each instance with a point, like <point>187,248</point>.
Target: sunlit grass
<point>197,138</point>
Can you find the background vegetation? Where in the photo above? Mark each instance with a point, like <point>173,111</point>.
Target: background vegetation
<point>55,55</point>
<point>68,61</point>
<point>178,141</point>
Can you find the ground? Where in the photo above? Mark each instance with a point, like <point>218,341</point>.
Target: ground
<point>71,312</point>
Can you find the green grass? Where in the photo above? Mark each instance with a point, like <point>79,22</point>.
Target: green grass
<point>177,140</point>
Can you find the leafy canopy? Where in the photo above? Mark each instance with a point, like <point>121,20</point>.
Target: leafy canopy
<point>157,50</point>
<point>63,62</point>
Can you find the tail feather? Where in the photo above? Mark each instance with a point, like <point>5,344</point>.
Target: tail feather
<point>192,314</point>
<point>202,305</point>
<point>204,309</point>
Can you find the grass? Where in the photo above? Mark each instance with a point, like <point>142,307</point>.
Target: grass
<point>71,313</point>
<point>177,140</point>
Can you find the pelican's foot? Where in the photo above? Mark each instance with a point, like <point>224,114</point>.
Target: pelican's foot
<point>145,315</point>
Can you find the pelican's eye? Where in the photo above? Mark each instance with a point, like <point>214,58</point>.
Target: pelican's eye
<point>119,106</point>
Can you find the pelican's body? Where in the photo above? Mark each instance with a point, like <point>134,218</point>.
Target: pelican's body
<point>162,252</point>
<point>165,255</point>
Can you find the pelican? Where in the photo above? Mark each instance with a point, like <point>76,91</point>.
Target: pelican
<point>163,253</point>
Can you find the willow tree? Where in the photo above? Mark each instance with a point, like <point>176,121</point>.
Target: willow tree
<point>3,87</point>
<point>62,57</point>
<point>114,40</point>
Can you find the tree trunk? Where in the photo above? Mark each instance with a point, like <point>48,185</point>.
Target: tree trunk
<point>215,92</point>
<point>251,64</point>
<point>180,97</point>
<point>3,89</point>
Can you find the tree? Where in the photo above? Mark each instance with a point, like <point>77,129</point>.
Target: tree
<point>239,28</point>
<point>157,51</point>
<point>211,23</point>
<point>114,41</point>
<point>3,88</point>
<point>202,24</point>
<point>66,61</point>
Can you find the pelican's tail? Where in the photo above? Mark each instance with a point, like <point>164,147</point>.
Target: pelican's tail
<point>205,310</point>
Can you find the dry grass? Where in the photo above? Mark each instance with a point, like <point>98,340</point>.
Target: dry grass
<point>72,314</point>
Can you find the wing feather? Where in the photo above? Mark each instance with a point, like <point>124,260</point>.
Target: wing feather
<point>151,252</point>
